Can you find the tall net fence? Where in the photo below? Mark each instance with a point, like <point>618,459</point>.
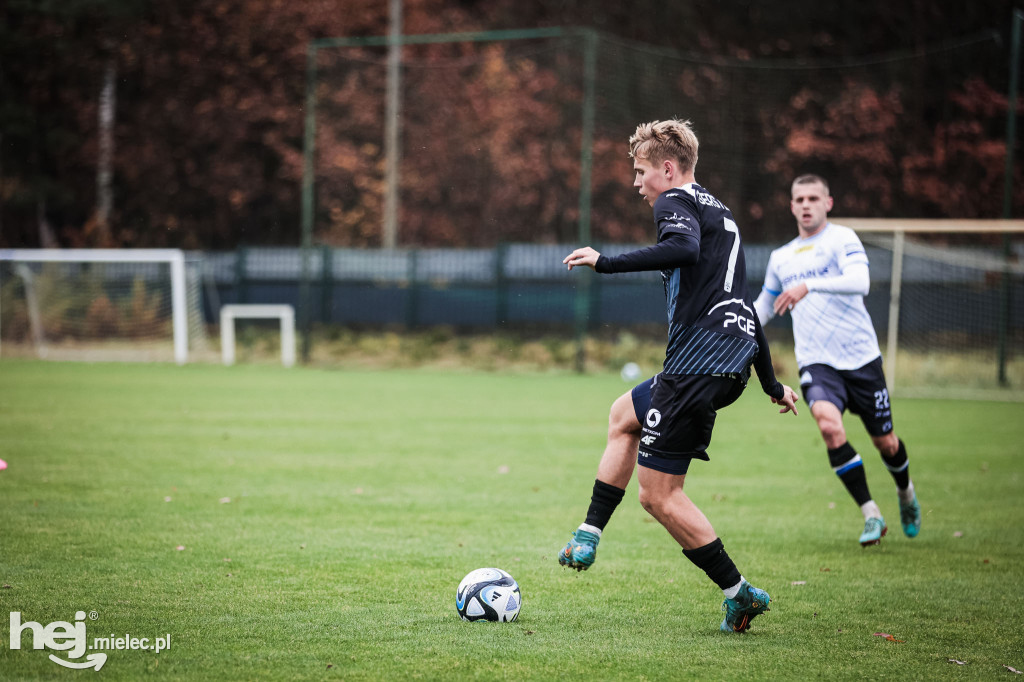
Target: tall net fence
<point>513,150</point>
<point>490,143</point>
<point>491,133</point>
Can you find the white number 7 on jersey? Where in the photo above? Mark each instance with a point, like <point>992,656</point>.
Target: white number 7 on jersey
<point>731,226</point>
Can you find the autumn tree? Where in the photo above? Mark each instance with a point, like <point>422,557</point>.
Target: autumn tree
<point>207,132</point>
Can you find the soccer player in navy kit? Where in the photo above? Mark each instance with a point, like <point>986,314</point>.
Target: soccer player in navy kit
<point>714,337</point>
<point>820,278</point>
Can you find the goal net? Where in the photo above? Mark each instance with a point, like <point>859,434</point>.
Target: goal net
<point>100,304</point>
<point>947,300</point>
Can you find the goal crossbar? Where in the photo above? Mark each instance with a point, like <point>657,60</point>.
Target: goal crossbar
<point>173,257</point>
<point>929,225</point>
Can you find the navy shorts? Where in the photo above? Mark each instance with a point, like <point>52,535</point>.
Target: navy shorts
<point>862,390</point>
<point>677,414</point>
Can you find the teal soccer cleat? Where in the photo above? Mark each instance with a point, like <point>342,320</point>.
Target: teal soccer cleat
<point>742,608</point>
<point>910,518</point>
<point>580,551</point>
<point>874,529</point>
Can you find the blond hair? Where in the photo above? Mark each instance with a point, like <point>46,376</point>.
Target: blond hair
<point>659,141</point>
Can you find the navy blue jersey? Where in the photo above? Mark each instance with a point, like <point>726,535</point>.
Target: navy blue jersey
<point>712,327</point>
<point>710,315</point>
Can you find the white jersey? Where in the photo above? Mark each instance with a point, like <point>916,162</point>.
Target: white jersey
<point>828,328</point>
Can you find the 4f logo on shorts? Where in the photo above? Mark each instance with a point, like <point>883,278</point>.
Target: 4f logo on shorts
<point>653,418</point>
<point>647,440</point>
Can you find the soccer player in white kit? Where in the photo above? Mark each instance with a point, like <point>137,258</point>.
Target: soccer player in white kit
<point>820,278</point>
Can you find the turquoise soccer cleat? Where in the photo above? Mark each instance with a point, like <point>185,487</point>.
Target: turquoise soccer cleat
<point>874,530</point>
<point>580,551</point>
<point>741,609</point>
<point>910,518</point>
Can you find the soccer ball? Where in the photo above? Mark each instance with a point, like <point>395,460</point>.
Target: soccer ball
<point>630,371</point>
<point>488,594</point>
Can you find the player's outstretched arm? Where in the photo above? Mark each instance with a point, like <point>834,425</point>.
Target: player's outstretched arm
<point>582,256</point>
<point>855,280</point>
<point>788,400</point>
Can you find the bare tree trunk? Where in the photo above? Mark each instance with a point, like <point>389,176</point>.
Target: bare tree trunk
<point>105,162</point>
<point>47,239</point>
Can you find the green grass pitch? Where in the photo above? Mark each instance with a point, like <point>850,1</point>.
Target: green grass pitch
<point>313,525</point>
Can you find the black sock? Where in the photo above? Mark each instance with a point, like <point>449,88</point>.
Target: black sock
<point>848,466</point>
<point>602,503</point>
<point>713,560</point>
<point>899,466</point>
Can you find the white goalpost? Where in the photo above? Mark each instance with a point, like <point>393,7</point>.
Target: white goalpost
<point>954,315</point>
<point>95,304</point>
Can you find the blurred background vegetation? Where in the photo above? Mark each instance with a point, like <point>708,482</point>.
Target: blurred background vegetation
<point>133,123</point>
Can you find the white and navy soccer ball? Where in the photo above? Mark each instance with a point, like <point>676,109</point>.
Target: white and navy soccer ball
<point>630,372</point>
<point>488,594</point>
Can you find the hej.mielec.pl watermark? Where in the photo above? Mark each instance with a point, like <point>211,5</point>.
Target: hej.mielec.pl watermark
<point>72,638</point>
